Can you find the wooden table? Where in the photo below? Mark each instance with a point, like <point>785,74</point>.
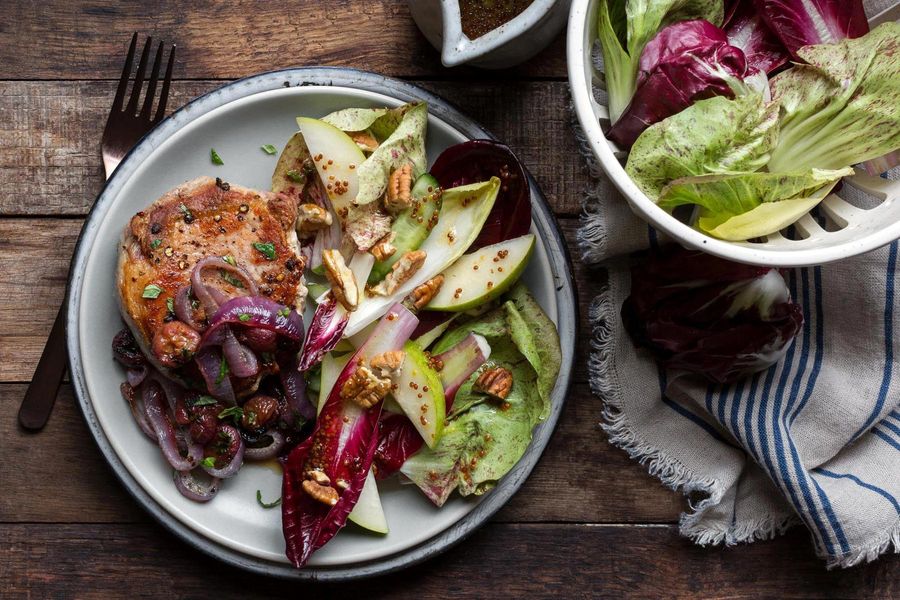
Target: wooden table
<point>588,523</point>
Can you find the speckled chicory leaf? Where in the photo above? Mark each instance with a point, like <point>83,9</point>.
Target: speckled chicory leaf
<point>484,439</point>
<point>740,207</point>
<point>405,144</point>
<point>717,135</point>
<point>843,107</point>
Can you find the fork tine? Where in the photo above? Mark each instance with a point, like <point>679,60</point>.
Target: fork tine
<point>139,78</point>
<point>164,96</point>
<point>126,73</point>
<point>151,86</point>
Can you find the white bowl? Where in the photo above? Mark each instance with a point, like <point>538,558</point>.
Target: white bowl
<point>863,216</point>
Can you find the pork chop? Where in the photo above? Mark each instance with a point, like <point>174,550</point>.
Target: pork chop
<point>202,218</point>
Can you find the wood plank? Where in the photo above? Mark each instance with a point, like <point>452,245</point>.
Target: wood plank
<point>50,137</point>
<point>581,478</point>
<point>524,561</point>
<point>225,40</point>
<point>34,263</point>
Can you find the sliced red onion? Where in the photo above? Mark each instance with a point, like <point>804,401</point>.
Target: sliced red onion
<point>237,459</point>
<point>261,340</point>
<point>183,309</point>
<point>136,376</point>
<point>241,359</point>
<point>209,361</point>
<point>165,433</point>
<point>266,452</point>
<point>136,403</point>
<point>294,385</point>
<point>192,489</point>
<point>258,311</point>
<point>206,295</point>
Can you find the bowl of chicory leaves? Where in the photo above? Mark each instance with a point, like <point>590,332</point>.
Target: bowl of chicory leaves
<point>762,131</point>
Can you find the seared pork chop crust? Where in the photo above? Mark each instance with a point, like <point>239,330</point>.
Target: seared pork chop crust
<point>202,218</point>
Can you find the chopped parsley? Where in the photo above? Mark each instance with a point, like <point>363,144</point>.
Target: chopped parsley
<point>272,504</point>
<point>268,249</point>
<point>152,291</point>
<point>295,176</point>
<point>215,158</point>
<point>230,260</point>
<point>208,462</point>
<point>243,317</point>
<point>204,401</point>
<point>285,312</point>
<point>188,216</point>
<point>155,243</point>
<point>223,371</point>
<point>268,148</point>
<point>231,279</point>
<point>234,411</point>
<point>170,304</point>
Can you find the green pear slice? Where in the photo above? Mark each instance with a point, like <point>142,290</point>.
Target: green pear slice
<point>337,158</point>
<point>483,275</point>
<point>420,394</point>
<point>368,512</point>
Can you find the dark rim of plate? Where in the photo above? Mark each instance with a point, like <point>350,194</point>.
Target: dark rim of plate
<point>550,235</point>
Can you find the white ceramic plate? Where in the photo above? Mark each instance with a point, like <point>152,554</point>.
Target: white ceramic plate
<point>236,120</point>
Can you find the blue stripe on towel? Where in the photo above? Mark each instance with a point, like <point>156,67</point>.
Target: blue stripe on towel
<point>890,426</point>
<point>820,345</point>
<point>888,342</point>
<point>885,437</point>
<point>748,413</point>
<point>735,405</point>
<point>805,339</point>
<point>661,374</point>
<point>885,494</point>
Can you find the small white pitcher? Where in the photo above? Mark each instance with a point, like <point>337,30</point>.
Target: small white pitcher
<point>511,43</point>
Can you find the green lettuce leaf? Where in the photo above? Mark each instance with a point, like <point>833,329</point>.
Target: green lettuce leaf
<point>722,198</point>
<point>405,144</point>
<point>717,135</point>
<point>484,439</point>
<point>380,122</point>
<point>625,27</point>
<point>843,107</point>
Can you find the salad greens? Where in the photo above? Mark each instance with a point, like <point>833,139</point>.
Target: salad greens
<point>483,437</point>
<point>718,135</point>
<point>705,126</point>
<point>843,107</point>
<point>626,26</point>
<point>748,205</point>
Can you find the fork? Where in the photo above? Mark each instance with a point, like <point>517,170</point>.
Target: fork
<point>124,127</point>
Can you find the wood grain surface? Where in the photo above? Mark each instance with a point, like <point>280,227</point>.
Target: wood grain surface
<point>588,523</point>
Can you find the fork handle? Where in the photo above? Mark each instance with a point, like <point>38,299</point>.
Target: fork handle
<point>41,394</point>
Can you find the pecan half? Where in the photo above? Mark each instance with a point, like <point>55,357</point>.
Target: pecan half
<point>319,476</point>
<point>403,269</point>
<point>496,382</point>
<point>387,364</point>
<point>343,283</point>
<point>423,294</point>
<point>385,248</point>
<point>364,140</point>
<point>311,218</point>
<point>323,493</point>
<point>398,196</point>
<point>365,388</point>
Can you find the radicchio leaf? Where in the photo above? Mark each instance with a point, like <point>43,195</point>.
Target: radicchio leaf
<point>686,62</point>
<point>707,316</point>
<point>805,22</point>
<point>479,160</point>
<point>747,30</point>
<point>325,331</point>
<point>341,445</point>
<point>397,441</point>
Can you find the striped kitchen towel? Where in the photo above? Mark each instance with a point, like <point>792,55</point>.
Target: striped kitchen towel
<point>815,439</point>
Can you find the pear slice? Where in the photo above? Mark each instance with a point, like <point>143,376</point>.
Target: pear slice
<point>420,394</point>
<point>483,275</point>
<point>336,157</point>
